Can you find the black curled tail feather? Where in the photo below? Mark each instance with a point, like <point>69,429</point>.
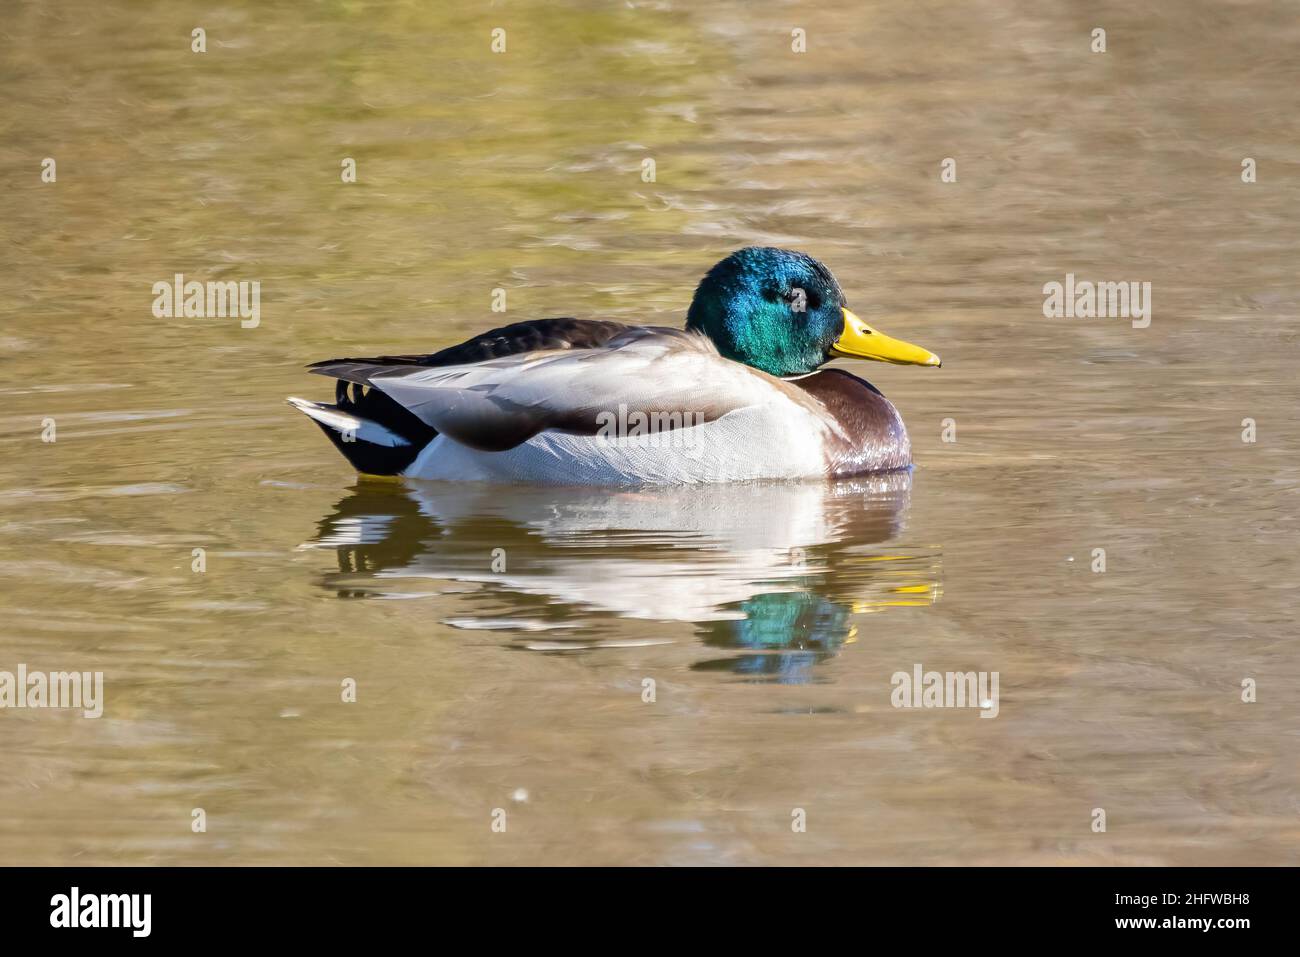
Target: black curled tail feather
<point>375,434</point>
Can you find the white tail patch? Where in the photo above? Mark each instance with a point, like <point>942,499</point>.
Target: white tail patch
<point>363,430</point>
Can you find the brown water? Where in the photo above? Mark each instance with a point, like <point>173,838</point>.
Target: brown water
<point>770,618</point>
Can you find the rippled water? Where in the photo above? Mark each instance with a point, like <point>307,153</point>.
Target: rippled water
<point>500,638</point>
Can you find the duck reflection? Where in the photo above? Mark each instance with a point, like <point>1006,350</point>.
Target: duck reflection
<point>772,575</point>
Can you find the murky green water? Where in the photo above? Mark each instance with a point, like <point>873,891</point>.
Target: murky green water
<point>769,618</point>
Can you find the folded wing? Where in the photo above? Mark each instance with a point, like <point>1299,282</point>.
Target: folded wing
<point>673,377</point>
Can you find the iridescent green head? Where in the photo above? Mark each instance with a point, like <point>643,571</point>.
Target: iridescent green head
<point>783,312</point>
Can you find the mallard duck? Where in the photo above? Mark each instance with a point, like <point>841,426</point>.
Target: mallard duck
<point>737,395</point>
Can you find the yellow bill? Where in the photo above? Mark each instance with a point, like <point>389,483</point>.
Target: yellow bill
<point>860,341</point>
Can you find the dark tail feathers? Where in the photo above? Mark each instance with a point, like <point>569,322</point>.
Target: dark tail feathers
<point>373,432</point>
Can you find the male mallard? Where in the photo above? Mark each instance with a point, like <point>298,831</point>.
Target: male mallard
<point>736,395</point>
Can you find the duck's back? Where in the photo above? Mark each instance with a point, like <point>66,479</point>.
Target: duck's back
<point>532,335</point>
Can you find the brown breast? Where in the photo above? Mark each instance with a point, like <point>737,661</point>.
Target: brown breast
<point>874,438</point>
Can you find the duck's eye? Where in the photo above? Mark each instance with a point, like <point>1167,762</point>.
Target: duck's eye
<point>770,294</point>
